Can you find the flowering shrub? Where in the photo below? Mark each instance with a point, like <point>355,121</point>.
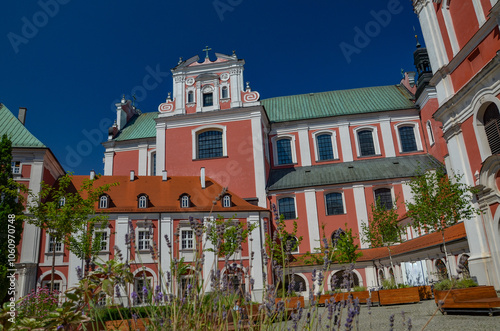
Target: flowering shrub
<point>38,304</point>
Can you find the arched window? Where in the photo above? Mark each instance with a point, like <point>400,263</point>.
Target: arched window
<point>441,269</point>
<point>185,201</point>
<point>334,204</point>
<point>293,283</point>
<point>491,120</point>
<point>366,144</point>
<point>103,202</point>
<point>384,197</point>
<point>284,151</point>
<point>343,279</point>
<point>336,236</point>
<point>143,201</point>
<point>381,276</point>
<point>391,274</point>
<point>325,147</point>
<point>226,201</point>
<point>210,144</point>
<point>225,92</point>
<point>407,138</point>
<point>286,208</point>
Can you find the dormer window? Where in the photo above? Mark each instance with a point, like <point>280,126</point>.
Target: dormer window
<point>143,201</point>
<point>225,92</point>
<point>226,201</point>
<point>103,202</point>
<point>208,99</point>
<point>185,201</point>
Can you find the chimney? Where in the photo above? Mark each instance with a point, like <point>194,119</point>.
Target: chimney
<point>22,115</point>
<point>92,174</point>
<point>132,175</point>
<point>164,175</point>
<point>202,177</point>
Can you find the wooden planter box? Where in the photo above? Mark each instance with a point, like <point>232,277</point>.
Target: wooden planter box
<point>362,296</point>
<point>425,292</point>
<point>291,302</point>
<point>472,299</point>
<point>399,296</point>
<point>123,325</point>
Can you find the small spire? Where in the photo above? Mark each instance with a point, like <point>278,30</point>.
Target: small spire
<point>416,37</point>
<point>206,50</point>
<point>248,86</point>
<point>123,98</point>
<point>180,60</point>
<point>169,97</point>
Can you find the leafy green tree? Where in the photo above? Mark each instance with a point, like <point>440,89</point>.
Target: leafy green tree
<point>383,229</point>
<point>10,204</point>
<point>440,201</point>
<point>63,210</point>
<point>345,251</point>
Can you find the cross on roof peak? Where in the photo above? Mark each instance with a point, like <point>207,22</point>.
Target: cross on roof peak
<point>206,50</point>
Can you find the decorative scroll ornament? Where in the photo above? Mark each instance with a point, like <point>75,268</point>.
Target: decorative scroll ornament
<point>249,96</point>
<point>167,106</point>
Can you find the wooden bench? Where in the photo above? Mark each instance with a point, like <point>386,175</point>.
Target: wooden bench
<point>472,299</point>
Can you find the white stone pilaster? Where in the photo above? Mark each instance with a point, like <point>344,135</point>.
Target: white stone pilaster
<point>108,163</point>
<point>450,28</point>
<point>385,127</point>
<point>433,37</point>
<point>312,220</point>
<point>143,160</point>
<point>345,142</point>
<point>305,150</point>
<point>210,263</point>
<point>160,147</point>
<point>166,229</point>
<point>258,159</point>
<point>256,265</point>
<point>361,211</point>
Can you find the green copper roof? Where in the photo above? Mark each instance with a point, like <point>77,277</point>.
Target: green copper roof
<point>142,126</point>
<point>337,103</point>
<point>16,131</point>
<point>348,172</point>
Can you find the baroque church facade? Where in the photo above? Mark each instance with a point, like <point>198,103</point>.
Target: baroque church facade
<point>321,158</point>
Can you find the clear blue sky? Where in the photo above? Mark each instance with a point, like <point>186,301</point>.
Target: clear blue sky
<point>68,63</point>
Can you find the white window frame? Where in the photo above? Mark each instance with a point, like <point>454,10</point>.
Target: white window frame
<point>140,292</point>
<point>416,133</point>
<point>151,164</point>
<point>16,167</point>
<point>187,240</point>
<point>190,90</point>
<point>274,141</point>
<point>106,239</point>
<point>201,129</point>
<point>142,201</point>
<point>333,136</point>
<point>226,201</point>
<point>226,86</point>
<point>430,133</point>
<point>59,246</point>
<point>325,193</point>
<point>46,284</point>
<point>103,202</point>
<point>374,130</point>
<point>185,201</point>
<point>62,202</point>
<point>143,241</point>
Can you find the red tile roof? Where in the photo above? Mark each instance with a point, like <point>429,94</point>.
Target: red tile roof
<point>452,233</point>
<point>164,196</point>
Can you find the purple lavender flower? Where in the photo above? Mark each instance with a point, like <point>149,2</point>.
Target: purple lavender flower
<point>134,296</point>
<point>391,322</point>
<point>117,291</point>
<point>167,239</point>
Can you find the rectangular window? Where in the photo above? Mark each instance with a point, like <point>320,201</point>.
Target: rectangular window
<point>284,151</point>
<point>16,167</point>
<point>210,144</point>
<point>384,197</point>
<point>334,204</point>
<point>366,145</point>
<point>325,148</point>
<point>143,240</point>
<point>52,242</point>
<point>57,285</point>
<point>407,137</point>
<point>154,165</point>
<point>286,208</point>
<point>103,239</point>
<point>187,239</point>
<point>208,99</point>
<point>140,284</point>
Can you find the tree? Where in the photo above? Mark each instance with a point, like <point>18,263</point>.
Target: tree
<point>10,204</point>
<point>383,229</point>
<point>62,210</point>
<point>440,201</point>
<point>345,251</point>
